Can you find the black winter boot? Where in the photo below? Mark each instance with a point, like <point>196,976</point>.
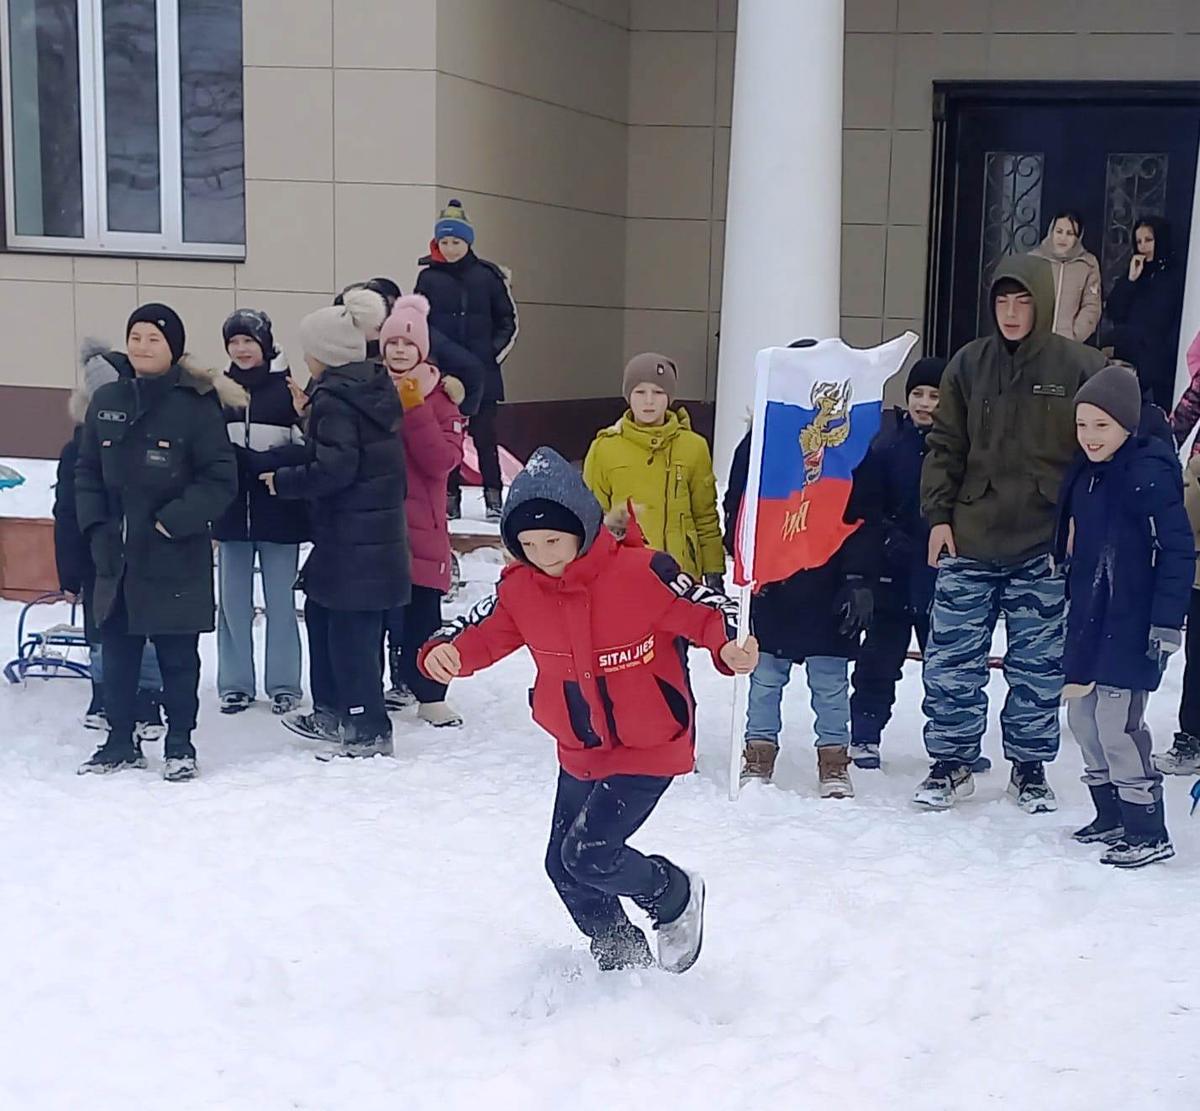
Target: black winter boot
<point>1146,839</point>
<point>1106,826</point>
<point>179,759</point>
<point>114,756</point>
<point>493,501</point>
<point>454,504</point>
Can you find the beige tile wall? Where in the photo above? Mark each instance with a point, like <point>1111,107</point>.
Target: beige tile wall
<point>895,49</point>
<point>680,99</point>
<point>590,141</point>
<point>532,102</point>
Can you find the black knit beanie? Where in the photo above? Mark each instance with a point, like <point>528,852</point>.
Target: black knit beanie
<point>539,513</point>
<point>255,324</point>
<point>926,372</point>
<point>167,321</point>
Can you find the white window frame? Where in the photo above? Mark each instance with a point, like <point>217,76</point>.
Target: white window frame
<point>97,238</point>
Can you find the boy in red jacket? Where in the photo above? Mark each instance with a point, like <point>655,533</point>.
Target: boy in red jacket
<point>607,623</point>
<point>432,431</point>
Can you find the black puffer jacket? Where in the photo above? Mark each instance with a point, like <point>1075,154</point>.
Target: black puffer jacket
<point>270,421</point>
<point>800,617</point>
<point>1146,315</point>
<point>471,303</point>
<point>155,451</point>
<point>71,555</point>
<point>352,474</point>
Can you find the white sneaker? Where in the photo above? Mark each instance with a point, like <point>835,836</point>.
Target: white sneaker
<point>679,941</point>
<point>441,715</point>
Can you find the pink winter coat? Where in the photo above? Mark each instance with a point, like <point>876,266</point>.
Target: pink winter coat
<point>433,447</point>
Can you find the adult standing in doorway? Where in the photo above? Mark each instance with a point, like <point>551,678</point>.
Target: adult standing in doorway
<point>1146,305</point>
<point>1003,435</point>
<point>1077,302</point>
<point>471,303</point>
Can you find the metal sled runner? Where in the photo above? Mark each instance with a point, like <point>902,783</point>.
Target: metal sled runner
<point>49,653</point>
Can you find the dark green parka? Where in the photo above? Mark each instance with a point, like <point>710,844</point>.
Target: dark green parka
<point>1004,431</point>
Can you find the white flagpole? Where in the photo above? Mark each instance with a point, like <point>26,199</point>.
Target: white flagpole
<point>741,689</point>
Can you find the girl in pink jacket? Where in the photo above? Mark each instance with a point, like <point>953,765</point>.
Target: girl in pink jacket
<point>432,431</point>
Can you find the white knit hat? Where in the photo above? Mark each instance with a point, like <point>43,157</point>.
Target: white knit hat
<point>337,335</point>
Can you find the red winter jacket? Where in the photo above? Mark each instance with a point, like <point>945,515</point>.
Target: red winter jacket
<point>612,687</point>
<point>433,446</point>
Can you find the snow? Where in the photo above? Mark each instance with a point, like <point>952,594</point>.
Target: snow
<point>286,934</point>
<point>35,495</point>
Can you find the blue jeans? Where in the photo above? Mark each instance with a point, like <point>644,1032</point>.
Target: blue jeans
<point>235,631</point>
<point>970,597</point>
<point>829,690</point>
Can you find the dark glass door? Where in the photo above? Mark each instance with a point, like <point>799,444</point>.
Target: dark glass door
<point>1009,156</point>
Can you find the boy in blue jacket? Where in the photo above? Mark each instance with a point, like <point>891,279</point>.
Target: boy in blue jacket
<point>1132,557</point>
<point>904,592</point>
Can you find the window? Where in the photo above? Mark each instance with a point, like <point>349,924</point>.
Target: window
<point>123,126</point>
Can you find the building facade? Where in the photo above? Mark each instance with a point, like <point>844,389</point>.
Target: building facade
<point>589,139</point>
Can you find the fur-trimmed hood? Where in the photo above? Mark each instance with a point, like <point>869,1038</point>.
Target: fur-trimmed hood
<point>99,362</point>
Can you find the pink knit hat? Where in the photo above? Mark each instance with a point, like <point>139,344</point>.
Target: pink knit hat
<point>410,321</point>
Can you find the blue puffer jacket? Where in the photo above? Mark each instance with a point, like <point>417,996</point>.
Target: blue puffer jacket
<point>1132,562</point>
<point>906,580</point>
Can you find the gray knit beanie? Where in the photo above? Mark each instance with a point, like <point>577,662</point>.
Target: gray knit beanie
<point>1117,391</point>
<point>337,335</point>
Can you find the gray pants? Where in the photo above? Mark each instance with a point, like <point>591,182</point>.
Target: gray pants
<point>1110,726</point>
<point>235,631</point>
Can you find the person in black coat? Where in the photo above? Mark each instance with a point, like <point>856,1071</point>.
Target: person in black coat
<point>1132,557</point>
<point>451,358</point>
<point>258,527</point>
<point>351,473</point>
<point>77,572</point>
<point>815,617</point>
<point>1146,306</point>
<point>155,469</point>
<point>471,302</point>
<point>904,592</point>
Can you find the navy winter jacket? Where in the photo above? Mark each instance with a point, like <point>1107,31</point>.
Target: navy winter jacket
<point>1131,566</point>
<point>906,580</point>
<point>471,303</point>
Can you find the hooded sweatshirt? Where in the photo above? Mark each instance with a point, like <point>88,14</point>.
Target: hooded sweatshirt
<point>1004,431</point>
<point>1077,303</point>
<point>607,638</point>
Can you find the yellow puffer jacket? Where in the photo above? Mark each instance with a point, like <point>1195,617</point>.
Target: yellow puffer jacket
<point>667,472</point>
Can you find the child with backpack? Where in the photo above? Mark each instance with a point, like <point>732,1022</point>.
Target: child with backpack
<point>1123,526</point>
<point>652,458</point>
<point>605,622</point>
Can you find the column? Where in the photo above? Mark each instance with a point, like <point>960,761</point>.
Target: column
<point>1190,318</point>
<point>783,230</point>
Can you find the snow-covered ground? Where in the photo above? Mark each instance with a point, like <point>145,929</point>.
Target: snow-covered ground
<point>286,934</point>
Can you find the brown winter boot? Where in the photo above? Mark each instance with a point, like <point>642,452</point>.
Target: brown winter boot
<point>758,760</point>
<point>833,771</point>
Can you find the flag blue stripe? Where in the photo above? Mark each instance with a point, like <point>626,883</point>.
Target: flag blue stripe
<point>783,460</point>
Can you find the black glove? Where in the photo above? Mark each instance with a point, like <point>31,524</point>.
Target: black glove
<point>856,605</point>
<point>714,580</point>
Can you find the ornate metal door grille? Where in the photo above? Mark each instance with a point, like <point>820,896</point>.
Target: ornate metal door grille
<point>1135,186</point>
<point>1012,215</point>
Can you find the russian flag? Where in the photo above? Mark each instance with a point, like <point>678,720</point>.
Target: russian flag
<point>816,411</point>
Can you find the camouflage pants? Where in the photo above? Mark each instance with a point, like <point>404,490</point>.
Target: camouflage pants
<point>970,597</point>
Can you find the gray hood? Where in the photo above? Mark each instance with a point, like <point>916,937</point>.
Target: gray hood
<point>548,475</point>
